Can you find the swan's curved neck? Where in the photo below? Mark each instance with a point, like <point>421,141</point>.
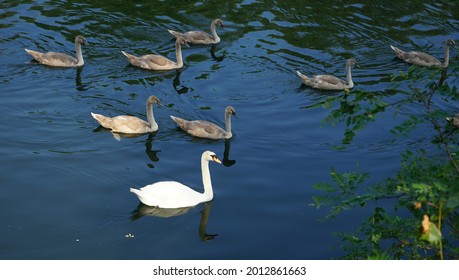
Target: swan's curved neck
<point>213,32</point>
<point>206,181</point>
<point>228,123</point>
<point>79,54</point>
<point>178,55</point>
<point>151,117</point>
<point>349,81</point>
<point>446,61</point>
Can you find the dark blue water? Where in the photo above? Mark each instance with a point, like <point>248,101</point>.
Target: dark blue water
<point>65,182</point>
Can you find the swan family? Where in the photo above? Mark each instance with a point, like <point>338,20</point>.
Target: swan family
<point>172,194</point>
<point>330,82</point>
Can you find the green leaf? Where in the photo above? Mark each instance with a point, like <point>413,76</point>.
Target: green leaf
<point>430,232</point>
<point>453,201</point>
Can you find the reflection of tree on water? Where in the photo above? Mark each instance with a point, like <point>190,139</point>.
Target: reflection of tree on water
<point>144,210</point>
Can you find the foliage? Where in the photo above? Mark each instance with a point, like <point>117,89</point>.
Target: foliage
<point>355,110</point>
<point>343,190</point>
<point>424,194</point>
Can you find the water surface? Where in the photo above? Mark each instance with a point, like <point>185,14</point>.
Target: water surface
<point>65,182</point>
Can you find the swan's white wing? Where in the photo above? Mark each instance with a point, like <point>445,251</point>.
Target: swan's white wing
<point>170,194</point>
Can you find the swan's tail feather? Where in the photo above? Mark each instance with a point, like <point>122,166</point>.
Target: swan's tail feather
<point>145,199</point>
<point>136,191</point>
<point>398,52</point>
<point>303,77</point>
<point>97,117</point>
<point>300,74</point>
<point>36,55</point>
<point>102,120</point>
<point>128,55</point>
<point>177,120</point>
<point>176,34</point>
<point>134,60</point>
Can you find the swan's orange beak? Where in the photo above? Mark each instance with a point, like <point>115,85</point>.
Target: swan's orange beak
<point>216,159</point>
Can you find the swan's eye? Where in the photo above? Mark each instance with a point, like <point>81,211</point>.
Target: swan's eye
<point>215,158</point>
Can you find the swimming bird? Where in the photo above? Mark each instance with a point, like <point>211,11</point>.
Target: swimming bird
<point>424,59</point>
<point>130,124</point>
<point>58,59</point>
<point>205,129</point>
<point>200,37</point>
<point>172,194</point>
<point>158,62</point>
<point>330,82</point>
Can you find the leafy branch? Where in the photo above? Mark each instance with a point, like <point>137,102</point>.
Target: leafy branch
<point>427,187</point>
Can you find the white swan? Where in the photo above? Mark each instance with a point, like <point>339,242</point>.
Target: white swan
<point>205,129</point>
<point>171,194</point>
<point>58,59</point>
<point>330,82</point>
<point>158,62</point>
<point>424,59</point>
<point>200,37</point>
<point>130,124</point>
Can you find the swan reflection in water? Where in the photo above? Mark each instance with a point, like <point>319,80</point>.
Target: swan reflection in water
<point>118,136</point>
<point>226,161</point>
<point>152,154</point>
<point>144,210</point>
<point>214,57</point>
<point>176,83</point>
<point>78,83</point>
